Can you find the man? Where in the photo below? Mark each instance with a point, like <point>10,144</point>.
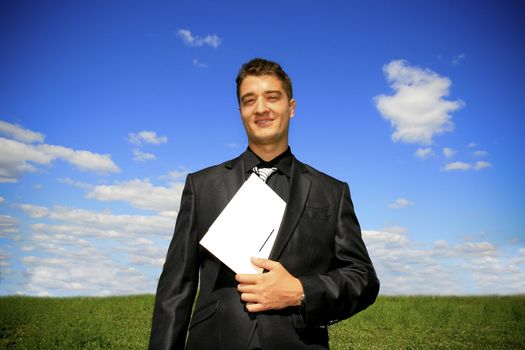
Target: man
<point>318,271</point>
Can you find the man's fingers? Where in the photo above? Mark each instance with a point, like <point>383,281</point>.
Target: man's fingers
<point>247,278</point>
<point>254,278</point>
<point>265,263</point>
<point>254,307</point>
<point>249,298</point>
<point>246,288</point>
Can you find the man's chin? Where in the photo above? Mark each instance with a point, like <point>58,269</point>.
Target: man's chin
<point>265,140</point>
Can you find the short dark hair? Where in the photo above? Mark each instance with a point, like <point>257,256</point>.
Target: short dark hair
<point>260,66</point>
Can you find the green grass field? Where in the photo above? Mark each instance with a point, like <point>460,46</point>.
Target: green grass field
<point>391,323</point>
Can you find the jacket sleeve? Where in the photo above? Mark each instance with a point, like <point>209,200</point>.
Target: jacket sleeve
<point>351,284</point>
<point>179,278</point>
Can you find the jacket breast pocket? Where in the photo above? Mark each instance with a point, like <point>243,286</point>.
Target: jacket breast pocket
<point>317,211</point>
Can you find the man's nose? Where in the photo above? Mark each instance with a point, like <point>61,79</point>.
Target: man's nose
<point>261,107</point>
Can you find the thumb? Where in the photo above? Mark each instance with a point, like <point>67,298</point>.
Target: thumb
<point>265,263</point>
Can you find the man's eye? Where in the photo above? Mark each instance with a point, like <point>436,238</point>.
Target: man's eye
<point>249,101</point>
<point>273,98</point>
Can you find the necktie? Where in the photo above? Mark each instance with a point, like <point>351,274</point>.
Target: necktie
<point>264,173</point>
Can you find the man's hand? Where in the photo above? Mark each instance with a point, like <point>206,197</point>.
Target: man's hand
<point>273,290</point>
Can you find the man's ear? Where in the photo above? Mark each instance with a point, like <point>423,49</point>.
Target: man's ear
<point>292,108</point>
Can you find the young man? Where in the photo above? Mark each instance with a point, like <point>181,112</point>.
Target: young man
<point>318,272</point>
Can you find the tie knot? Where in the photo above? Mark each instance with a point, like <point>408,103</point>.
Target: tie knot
<point>264,173</point>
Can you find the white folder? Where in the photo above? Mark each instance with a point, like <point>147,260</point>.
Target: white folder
<point>247,227</point>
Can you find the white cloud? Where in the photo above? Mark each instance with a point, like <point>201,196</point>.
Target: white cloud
<point>58,242</point>
<point>2,200</point>
<point>91,253</point>
<point>140,156</point>
<point>402,267</point>
<point>480,154</point>
<point>456,60</point>
<point>400,203</point>
<point>131,224</point>
<point>9,227</point>
<point>409,267</point>
<point>199,64</point>
<point>520,259</point>
<point>72,182</point>
<point>147,137</point>
<point>385,237</point>
<point>19,133</point>
<point>448,152</point>
<point>496,275</point>
<point>98,253</point>
<point>83,160</point>
<point>140,194</point>
<point>424,153</point>
<point>190,40</point>
<point>97,224</point>
<point>479,165</point>
<point>94,273</point>
<point>417,110</point>
<point>477,249</point>
<point>176,175</point>
<point>457,166</point>
<point>97,229</point>
<point>468,249</point>
<point>399,230</point>
<point>482,165</point>
<point>145,253</point>
<point>33,211</point>
<point>17,158</point>
<point>5,261</point>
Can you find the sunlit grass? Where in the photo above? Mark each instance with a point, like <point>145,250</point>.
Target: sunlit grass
<point>435,323</point>
<point>391,323</point>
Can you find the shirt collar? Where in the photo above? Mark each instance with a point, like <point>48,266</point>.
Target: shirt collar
<point>282,162</point>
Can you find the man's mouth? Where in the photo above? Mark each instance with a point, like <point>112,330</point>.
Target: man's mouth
<point>263,121</point>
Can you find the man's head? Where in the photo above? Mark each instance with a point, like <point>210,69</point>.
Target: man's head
<point>266,105</point>
<point>260,66</point>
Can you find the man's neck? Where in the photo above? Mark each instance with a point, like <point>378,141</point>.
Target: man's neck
<point>268,152</point>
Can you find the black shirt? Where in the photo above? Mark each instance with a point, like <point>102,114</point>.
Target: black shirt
<point>280,180</point>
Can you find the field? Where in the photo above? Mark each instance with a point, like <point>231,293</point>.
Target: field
<point>391,323</point>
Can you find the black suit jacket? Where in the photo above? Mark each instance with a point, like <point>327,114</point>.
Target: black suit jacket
<point>319,242</point>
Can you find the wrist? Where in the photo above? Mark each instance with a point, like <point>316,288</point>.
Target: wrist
<point>300,297</point>
<point>302,300</point>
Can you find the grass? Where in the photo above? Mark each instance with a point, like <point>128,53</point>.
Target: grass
<point>75,323</point>
<point>391,323</point>
<point>435,323</point>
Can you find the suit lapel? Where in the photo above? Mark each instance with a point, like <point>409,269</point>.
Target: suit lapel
<point>299,190</point>
<point>234,178</point>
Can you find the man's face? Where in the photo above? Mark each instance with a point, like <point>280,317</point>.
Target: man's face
<point>265,110</point>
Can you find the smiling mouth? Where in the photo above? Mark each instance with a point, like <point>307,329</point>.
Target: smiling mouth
<point>262,122</point>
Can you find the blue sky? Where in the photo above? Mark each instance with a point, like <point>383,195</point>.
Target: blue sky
<point>105,106</point>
